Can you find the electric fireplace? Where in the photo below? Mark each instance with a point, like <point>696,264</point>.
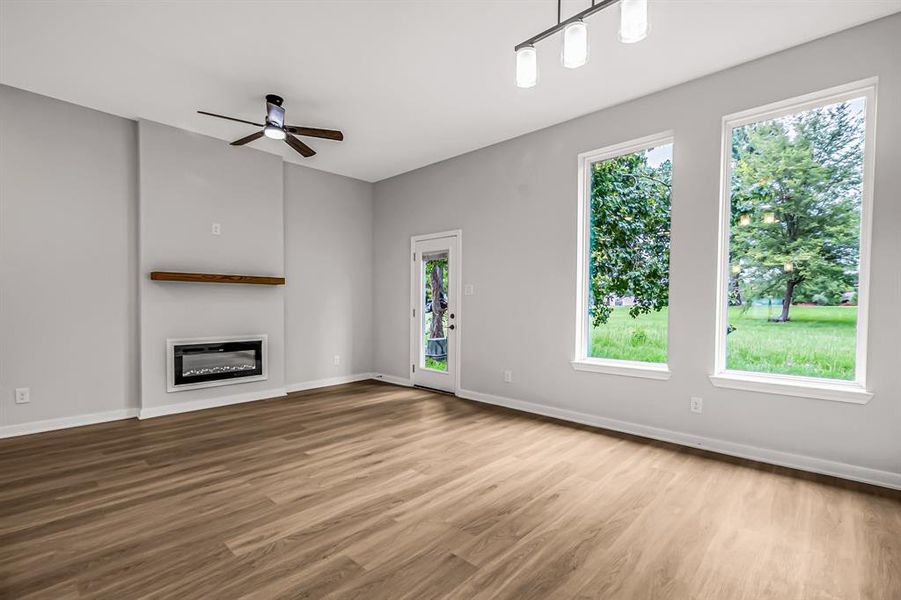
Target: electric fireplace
<point>206,362</point>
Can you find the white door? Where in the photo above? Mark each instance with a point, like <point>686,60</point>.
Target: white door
<point>435,315</point>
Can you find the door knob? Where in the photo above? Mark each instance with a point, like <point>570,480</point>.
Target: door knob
<point>452,315</point>
<point>451,326</point>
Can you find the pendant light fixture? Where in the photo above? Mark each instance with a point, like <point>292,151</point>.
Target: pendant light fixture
<point>633,28</point>
<point>526,67</point>
<point>575,45</point>
<point>633,21</point>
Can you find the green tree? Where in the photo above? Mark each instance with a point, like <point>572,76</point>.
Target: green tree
<point>796,184</point>
<point>630,234</point>
<point>435,285</point>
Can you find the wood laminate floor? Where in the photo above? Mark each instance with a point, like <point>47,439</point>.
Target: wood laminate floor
<point>374,491</point>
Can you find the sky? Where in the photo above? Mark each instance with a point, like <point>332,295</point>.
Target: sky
<point>659,155</point>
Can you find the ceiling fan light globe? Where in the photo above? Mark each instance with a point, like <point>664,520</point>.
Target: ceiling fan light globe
<point>274,133</point>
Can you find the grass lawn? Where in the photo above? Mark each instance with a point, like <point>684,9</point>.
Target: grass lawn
<point>438,365</point>
<point>642,338</point>
<point>431,363</point>
<point>818,341</point>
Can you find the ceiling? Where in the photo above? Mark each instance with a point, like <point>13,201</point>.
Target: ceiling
<point>409,82</point>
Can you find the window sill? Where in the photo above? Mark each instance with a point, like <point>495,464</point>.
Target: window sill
<point>787,385</point>
<point>627,368</point>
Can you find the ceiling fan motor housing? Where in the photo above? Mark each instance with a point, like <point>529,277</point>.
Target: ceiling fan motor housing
<point>275,128</point>
<point>275,114</point>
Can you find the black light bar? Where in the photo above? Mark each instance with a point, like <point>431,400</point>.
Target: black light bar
<point>562,24</point>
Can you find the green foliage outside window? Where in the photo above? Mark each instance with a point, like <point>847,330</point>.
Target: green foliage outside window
<point>796,197</point>
<point>630,235</point>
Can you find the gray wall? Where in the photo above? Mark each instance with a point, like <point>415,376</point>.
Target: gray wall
<point>68,285</point>
<point>70,278</point>
<point>328,253</point>
<point>516,204</point>
<point>187,183</point>
<point>69,274</point>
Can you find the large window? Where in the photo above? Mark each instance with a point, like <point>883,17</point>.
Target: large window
<point>794,233</point>
<point>624,250</point>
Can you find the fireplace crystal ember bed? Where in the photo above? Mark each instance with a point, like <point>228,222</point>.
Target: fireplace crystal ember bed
<point>209,362</point>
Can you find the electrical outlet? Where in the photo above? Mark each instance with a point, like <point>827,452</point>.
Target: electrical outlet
<point>469,289</point>
<point>508,376</point>
<point>23,395</point>
<point>337,359</point>
<point>217,229</point>
<point>697,404</point>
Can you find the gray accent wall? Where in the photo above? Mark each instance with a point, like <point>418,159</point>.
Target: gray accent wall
<point>516,203</point>
<point>68,260</point>
<point>328,267</point>
<point>75,304</point>
<point>188,182</point>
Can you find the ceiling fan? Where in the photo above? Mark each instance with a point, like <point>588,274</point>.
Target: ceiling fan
<point>276,129</point>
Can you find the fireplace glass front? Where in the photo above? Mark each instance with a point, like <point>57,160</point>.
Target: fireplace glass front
<point>214,361</point>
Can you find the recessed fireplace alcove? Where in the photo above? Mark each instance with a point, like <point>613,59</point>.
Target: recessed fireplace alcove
<point>207,362</point>
<point>198,287</point>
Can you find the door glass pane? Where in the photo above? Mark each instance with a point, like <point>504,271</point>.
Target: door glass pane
<point>434,311</point>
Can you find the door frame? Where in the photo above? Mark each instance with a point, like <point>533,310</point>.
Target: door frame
<point>457,289</point>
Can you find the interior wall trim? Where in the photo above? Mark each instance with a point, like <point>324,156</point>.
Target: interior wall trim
<point>183,407</point>
<point>801,462</point>
<point>394,379</point>
<point>8,431</point>
<point>328,381</point>
<point>31,427</point>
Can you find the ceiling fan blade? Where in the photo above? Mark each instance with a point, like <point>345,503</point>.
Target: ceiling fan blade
<point>249,138</point>
<point>328,134</point>
<point>209,114</point>
<point>299,146</point>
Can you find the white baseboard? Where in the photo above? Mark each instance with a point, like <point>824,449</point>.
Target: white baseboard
<point>172,409</point>
<point>66,422</point>
<point>774,457</point>
<point>183,407</point>
<point>328,381</point>
<point>404,381</point>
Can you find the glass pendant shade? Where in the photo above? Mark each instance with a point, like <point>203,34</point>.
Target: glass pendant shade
<point>633,21</point>
<point>526,67</point>
<point>575,45</point>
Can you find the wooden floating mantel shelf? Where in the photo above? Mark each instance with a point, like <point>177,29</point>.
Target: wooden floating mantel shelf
<point>215,278</point>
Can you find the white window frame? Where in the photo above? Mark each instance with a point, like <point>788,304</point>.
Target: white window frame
<point>581,361</point>
<point>795,385</point>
